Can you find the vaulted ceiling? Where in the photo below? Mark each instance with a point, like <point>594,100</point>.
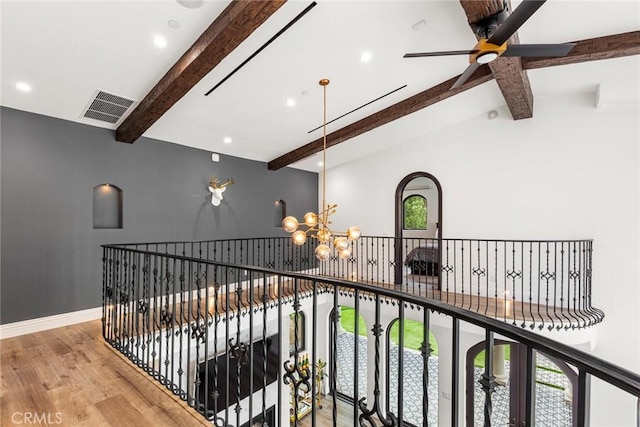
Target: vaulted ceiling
<point>230,68</point>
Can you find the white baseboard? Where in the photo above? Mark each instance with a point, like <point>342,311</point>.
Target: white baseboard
<point>50,322</point>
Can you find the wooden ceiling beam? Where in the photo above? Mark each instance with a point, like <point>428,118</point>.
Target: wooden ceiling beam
<point>410,105</point>
<point>476,10</point>
<point>237,22</point>
<point>513,82</point>
<point>512,79</point>
<point>607,47</point>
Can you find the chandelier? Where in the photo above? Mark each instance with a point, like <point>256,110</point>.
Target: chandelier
<point>317,225</point>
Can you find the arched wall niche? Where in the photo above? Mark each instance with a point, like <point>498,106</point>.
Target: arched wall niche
<point>280,212</point>
<point>107,206</point>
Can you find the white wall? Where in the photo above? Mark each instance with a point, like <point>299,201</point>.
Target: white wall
<point>571,172</point>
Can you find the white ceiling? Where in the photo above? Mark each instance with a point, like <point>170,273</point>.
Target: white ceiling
<point>67,49</point>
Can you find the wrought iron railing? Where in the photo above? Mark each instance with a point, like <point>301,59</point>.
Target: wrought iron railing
<point>524,282</point>
<point>226,338</point>
<point>535,284</point>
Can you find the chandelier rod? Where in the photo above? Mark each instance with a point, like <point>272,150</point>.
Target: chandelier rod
<point>324,83</point>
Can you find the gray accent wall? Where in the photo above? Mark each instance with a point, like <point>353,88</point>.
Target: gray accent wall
<point>51,255</point>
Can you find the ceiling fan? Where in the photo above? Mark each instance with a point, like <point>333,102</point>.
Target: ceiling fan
<point>493,33</point>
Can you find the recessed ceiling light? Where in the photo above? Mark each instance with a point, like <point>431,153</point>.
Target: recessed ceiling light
<point>23,87</point>
<point>172,23</point>
<point>191,4</point>
<point>492,114</point>
<point>160,41</point>
<point>304,93</point>
<point>291,102</point>
<point>227,140</point>
<point>320,163</point>
<point>365,57</point>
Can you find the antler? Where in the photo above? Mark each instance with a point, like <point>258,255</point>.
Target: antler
<point>215,183</point>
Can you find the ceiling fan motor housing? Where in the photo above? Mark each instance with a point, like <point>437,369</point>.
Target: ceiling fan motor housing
<point>487,26</point>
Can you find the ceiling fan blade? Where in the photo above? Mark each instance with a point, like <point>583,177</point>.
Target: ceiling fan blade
<point>538,50</point>
<point>514,21</point>
<point>444,53</point>
<point>465,76</point>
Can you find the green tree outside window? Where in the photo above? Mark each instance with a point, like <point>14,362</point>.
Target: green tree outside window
<point>415,213</point>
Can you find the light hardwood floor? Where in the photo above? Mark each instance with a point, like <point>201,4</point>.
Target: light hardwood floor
<point>72,377</point>
<point>324,415</point>
<point>506,309</point>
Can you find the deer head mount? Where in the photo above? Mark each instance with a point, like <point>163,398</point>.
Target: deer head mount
<point>216,189</point>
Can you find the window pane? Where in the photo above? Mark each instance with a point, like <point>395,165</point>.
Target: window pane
<point>346,343</point>
<point>412,375</point>
<point>415,213</point>
<point>292,335</point>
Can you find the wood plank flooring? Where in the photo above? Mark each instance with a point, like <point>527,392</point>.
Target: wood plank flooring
<point>72,377</point>
<point>505,309</point>
<point>324,415</point>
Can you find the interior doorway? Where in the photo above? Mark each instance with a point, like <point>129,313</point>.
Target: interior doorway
<point>418,225</point>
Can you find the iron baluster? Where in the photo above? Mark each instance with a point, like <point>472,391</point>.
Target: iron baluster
<point>530,392</point>
<point>455,276</point>
<point>478,273</point>
<point>238,350</point>
<point>334,347</point>
<point>124,302</point>
<point>488,380</point>
<point>251,307</point>
<point>156,314</point>
<point>265,302</point>
<point>425,351</point>
<point>562,279</point>
<point>356,348</point>
<point>146,324</point>
<point>227,312</point>
<point>583,397</point>
<point>400,416</point>
<point>280,332</point>
<point>367,415</point>
<point>462,270</point>
<point>203,279</point>
<point>316,377</point>
<point>104,290</point>
<point>455,374</point>
<point>530,287</point>
<point>539,284</point>
<point>215,394</point>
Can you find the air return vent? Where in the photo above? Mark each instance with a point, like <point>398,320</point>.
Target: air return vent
<point>107,107</point>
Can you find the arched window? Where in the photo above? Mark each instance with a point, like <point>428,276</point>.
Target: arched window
<point>414,213</point>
